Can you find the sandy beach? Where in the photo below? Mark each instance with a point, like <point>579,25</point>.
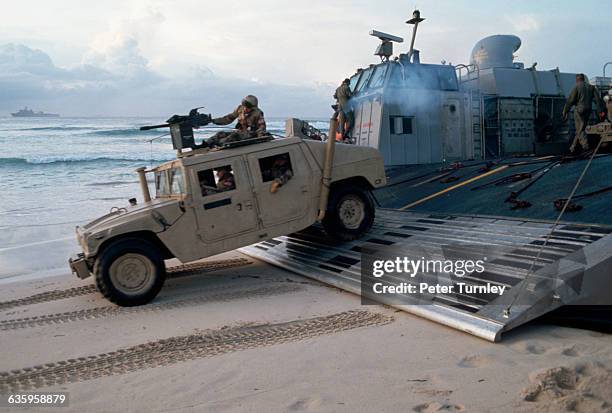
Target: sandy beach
<point>240,335</point>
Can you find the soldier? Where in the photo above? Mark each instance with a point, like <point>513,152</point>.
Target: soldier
<point>225,179</point>
<point>343,95</point>
<point>608,100</point>
<point>251,123</point>
<point>281,172</point>
<point>581,97</point>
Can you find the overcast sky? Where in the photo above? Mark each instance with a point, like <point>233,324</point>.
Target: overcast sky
<point>153,57</point>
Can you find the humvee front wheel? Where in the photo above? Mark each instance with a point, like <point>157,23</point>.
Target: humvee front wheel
<point>350,213</point>
<point>130,272</point>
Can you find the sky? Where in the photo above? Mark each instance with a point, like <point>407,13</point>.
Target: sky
<point>158,57</point>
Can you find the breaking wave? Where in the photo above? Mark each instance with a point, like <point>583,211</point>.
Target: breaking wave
<point>54,128</point>
<point>93,158</point>
<point>123,132</point>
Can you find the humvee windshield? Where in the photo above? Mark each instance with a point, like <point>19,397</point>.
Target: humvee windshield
<point>169,182</point>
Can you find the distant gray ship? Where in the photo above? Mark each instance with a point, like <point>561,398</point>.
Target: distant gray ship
<point>29,113</point>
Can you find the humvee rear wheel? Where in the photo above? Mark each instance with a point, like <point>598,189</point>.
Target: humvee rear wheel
<point>350,213</point>
<point>130,272</point>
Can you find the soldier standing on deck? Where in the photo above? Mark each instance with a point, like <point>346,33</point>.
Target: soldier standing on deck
<point>581,97</point>
<point>251,123</point>
<point>608,100</point>
<point>343,95</point>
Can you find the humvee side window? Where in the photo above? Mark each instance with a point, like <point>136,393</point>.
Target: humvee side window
<point>169,182</point>
<point>177,186</point>
<point>216,180</point>
<point>161,184</point>
<point>273,167</point>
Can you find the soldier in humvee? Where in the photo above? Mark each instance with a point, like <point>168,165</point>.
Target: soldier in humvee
<point>251,123</point>
<point>225,179</point>
<point>280,172</point>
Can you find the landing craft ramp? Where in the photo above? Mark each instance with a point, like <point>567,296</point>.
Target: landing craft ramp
<point>574,266</point>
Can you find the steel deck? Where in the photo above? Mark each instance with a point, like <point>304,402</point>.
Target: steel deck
<point>581,252</point>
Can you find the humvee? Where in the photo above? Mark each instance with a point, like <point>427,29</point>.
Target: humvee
<point>189,218</point>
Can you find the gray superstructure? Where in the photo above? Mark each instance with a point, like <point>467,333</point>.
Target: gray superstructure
<point>417,113</point>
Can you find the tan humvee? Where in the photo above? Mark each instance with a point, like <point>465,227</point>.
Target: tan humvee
<point>189,218</point>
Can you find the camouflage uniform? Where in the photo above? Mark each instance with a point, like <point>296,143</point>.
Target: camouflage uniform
<point>581,96</point>
<point>343,95</point>
<point>251,124</point>
<point>226,181</point>
<point>281,172</point>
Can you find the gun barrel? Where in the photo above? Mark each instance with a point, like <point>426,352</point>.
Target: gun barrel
<point>164,125</point>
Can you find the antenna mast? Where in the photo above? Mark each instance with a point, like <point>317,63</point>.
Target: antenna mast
<point>416,19</point>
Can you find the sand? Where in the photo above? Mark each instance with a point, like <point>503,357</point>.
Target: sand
<point>257,338</point>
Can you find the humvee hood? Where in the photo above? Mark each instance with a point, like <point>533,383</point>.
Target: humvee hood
<point>124,214</point>
<point>154,216</point>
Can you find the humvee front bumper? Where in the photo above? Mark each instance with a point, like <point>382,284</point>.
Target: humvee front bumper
<point>79,266</point>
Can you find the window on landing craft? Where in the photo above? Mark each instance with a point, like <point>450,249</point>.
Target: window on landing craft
<point>378,78</point>
<point>414,77</point>
<point>421,77</point>
<point>353,81</point>
<point>448,78</point>
<point>365,76</point>
<point>400,125</point>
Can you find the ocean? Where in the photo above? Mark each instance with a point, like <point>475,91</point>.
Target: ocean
<point>56,173</point>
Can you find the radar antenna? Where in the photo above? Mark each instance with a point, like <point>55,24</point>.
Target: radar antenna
<point>385,48</point>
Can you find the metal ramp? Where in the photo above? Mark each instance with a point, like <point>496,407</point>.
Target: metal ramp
<point>577,261</point>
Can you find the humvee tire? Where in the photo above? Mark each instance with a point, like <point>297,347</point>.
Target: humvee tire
<point>350,213</point>
<point>130,272</point>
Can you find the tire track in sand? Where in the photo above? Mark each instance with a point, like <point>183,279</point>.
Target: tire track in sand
<point>172,272</point>
<point>112,310</point>
<point>183,348</point>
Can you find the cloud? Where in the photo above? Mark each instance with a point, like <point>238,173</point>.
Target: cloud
<point>118,48</point>
<point>16,58</point>
<point>115,79</point>
<point>524,22</point>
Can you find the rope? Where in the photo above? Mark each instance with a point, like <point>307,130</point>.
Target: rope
<point>151,147</point>
<point>556,223</point>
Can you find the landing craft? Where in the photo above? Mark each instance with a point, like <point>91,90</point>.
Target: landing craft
<point>475,168</point>
<point>418,113</point>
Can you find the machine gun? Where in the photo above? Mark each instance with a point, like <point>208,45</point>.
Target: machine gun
<point>181,128</point>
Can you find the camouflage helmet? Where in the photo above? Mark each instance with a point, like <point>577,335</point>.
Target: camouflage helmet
<point>250,101</point>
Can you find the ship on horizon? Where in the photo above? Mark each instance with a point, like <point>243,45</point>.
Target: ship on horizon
<point>29,113</point>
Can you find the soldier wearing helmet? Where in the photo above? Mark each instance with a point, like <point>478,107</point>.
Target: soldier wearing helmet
<point>581,96</point>
<point>342,95</point>
<point>225,179</point>
<point>250,124</point>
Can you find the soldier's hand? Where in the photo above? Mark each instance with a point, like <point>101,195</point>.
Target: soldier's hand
<point>602,115</point>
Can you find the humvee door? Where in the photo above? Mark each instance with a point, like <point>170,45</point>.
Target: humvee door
<point>223,200</point>
<point>294,198</point>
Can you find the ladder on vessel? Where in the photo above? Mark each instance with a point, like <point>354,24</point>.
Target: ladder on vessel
<point>477,126</point>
